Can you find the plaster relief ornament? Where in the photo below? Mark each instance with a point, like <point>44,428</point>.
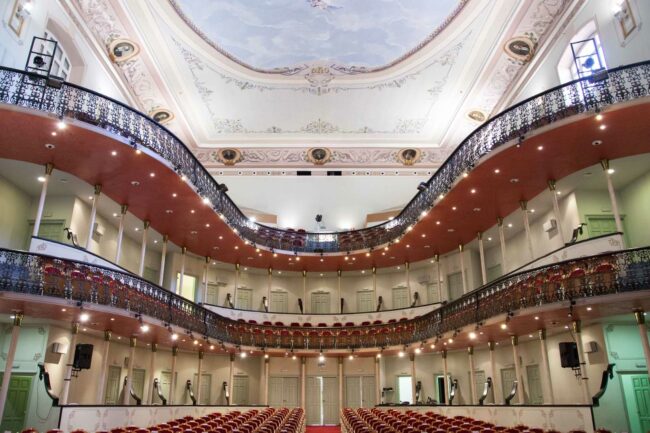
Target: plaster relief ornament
<point>161,115</point>
<point>477,116</point>
<point>319,155</point>
<point>409,156</point>
<point>122,49</point>
<point>229,156</point>
<point>521,48</point>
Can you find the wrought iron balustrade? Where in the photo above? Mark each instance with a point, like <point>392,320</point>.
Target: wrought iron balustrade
<point>70,101</point>
<point>49,277</point>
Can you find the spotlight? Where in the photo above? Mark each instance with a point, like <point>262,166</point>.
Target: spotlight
<point>321,357</point>
<point>83,317</point>
<point>144,328</point>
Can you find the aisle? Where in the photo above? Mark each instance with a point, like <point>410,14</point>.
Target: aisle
<point>324,429</point>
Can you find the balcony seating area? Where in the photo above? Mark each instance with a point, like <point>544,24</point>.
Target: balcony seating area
<point>268,420</point>
<point>393,421</point>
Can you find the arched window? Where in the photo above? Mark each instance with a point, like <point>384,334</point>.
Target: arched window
<point>584,44</point>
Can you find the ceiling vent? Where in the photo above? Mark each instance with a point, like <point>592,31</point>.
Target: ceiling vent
<point>303,173</point>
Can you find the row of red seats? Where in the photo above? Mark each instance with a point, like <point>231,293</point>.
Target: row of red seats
<point>324,325</point>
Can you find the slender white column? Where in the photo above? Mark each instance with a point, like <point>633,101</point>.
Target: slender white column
<point>612,195</point>
<point>179,288</point>
<point>268,288</point>
<point>152,373</point>
<point>472,382</point>
<point>445,374</point>
<point>143,248</point>
<point>103,375</point>
<point>496,379</point>
<point>413,378</point>
<point>338,280</point>
<point>340,384</point>
<point>41,205</point>
<point>198,377</point>
<point>163,258</point>
<point>93,214</point>
<point>377,381</point>
<point>461,253</point>
<point>407,270</point>
<point>529,240</point>
<point>172,386</point>
<point>577,330</point>
<point>520,383</point>
<point>231,376</point>
<point>481,252</point>
<point>9,364</point>
<point>303,382</point>
<point>120,233</point>
<point>442,294</point>
<point>502,243</point>
<point>129,373</point>
<point>556,209</point>
<point>234,299</point>
<point>643,333</point>
<point>304,291</point>
<point>266,381</point>
<point>63,399</point>
<point>546,369</point>
<point>206,267</point>
<point>374,287</point>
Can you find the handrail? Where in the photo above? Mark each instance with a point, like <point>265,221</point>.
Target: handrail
<point>624,83</point>
<point>602,274</point>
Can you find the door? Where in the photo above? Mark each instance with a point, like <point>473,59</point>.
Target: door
<point>599,225</point>
<point>15,410</point>
<point>365,301</point>
<point>404,389</point>
<point>212,296</point>
<point>49,229</point>
<point>322,400</point>
<point>535,394</point>
<point>433,293</point>
<point>479,383</point>
<point>240,390</point>
<point>636,389</point>
<point>320,303</point>
<point>493,272</point>
<point>368,395</point>
<point>113,385</point>
<point>330,400</point>
<point>508,377</point>
<point>188,291</point>
<point>279,302</point>
<point>400,297</point>
<point>283,391</point>
<point>166,384</point>
<point>137,383</point>
<point>455,284</point>
<point>206,387</point>
<point>244,299</point>
<point>150,275</point>
<point>440,387</point>
<point>353,392</point>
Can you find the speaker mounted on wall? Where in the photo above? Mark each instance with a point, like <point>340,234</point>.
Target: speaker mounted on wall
<point>569,355</point>
<point>83,355</point>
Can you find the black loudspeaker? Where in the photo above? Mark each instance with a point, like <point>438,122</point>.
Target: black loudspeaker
<point>83,354</point>
<point>569,355</point>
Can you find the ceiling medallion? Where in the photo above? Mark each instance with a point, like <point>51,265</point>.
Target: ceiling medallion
<point>521,48</point>
<point>121,49</point>
<point>409,156</point>
<point>477,116</point>
<point>319,155</point>
<point>161,115</point>
<point>229,156</point>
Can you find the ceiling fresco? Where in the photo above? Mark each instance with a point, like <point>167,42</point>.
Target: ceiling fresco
<point>288,35</point>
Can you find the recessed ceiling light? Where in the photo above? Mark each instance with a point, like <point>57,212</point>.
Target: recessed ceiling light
<point>64,310</point>
<point>135,183</point>
<point>61,124</point>
<point>137,229</point>
<point>489,238</point>
<point>49,146</point>
<point>53,134</point>
<point>588,308</point>
<point>208,225</point>
<point>424,235</point>
<point>536,317</point>
<point>236,247</point>
<point>451,230</point>
<point>603,127</point>
<point>220,237</point>
<point>192,210</point>
<point>453,208</point>
<point>514,180</point>
<point>41,178</point>
<point>437,223</point>
<point>169,211</point>
<point>114,153</point>
<point>611,171</point>
<point>510,225</point>
<point>497,171</point>
<point>408,246</point>
<point>174,194</point>
<point>532,211</point>
<point>473,191</point>
<point>599,117</point>
<point>504,326</point>
<point>472,335</point>
<point>477,209</point>
<point>540,147</point>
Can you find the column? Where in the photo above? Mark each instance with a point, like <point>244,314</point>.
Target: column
<point>374,286</point>
<point>68,373</point>
<point>547,386</point>
<point>340,358</point>
<point>413,378</point>
<point>120,233</point>
<point>268,289</point>
<point>520,383</point>
<point>172,386</point>
<point>612,195</point>
<point>163,257</point>
<point>436,259</point>
<point>152,373</point>
<point>639,315</point>
<point>338,280</point>
<point>529,241</point>
<point>93,214</point>
<point>234,296</point>
<point>129,372</point>
<point>304,291</point>
<point>556,209</point>
<point>179,287</point>
<point>502,243</point>
<point>143,248</point>
<point>266,381</point>
<point>445,375</point>
<point>303,382</point>
<point>9,365</point>
<point>204,291</point>
<point>481,252</point>
<point>407,270</point>
<point>472,382</point>
<point>198,377</point>
<point>41,206</point>
<point>496,377</point>
<point>231,375</point>
<point>377,381</point>
<point>577,329</point>
<point>103,375</point>
<point>461,253</point>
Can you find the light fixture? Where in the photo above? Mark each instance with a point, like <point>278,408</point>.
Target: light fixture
<point>599,117</point>
<point>53,133</point>
<point>266,356</point>
<point>504,326</point>
<point>294,357</point>
<point>114,153</point>
<point>321,357</point>
<point>588,308</point>
<point>83,317</point>
<point>144,328</point>
<point>41,178</point>
<point>611,171</point>
<point>472,335</point>
<point>540,147</point>
<point>152,174</point>
<point>418,350</point>
<point>351,357</point>
<point>432,346</point>
<point>401,354</point>
<point>61,124</point>
<point>509,225</point>
<point>378,355</point>
<point>473,191</point>
<point>603,127</point>
<point>497,171</point>
<point>536,317</point>
<point>243,355</point>
<point>450,340</point>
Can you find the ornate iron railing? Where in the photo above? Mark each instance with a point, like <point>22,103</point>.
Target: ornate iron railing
<point>70,101</point>
<point>604,274</point>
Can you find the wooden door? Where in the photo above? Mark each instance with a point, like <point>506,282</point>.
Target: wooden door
<point>244,299</point>
<point>353,392</point>
<point>636,389</point>
<point>455,284</point>
<point>400,297</point>
<point>240,390</point>
<point>206,387</point>
<point>320,303</point>
<point>330,400</point>
<point>212,296</point>
<point>314,400</point>
<point>15,410</point>
<point>365,301</point>
<point>368,385</point>
<point>535,393</point>
<point>279,302</point>
<point>508,376</point>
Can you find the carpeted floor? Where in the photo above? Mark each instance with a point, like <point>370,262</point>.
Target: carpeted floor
<point>324,429</point>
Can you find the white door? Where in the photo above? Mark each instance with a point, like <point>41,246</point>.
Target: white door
<point>353,392</point>
<point>365,301</point>
<point>206,387</point>
<point>314,399</point>
<point>283,392</point>
<point>368,391</point>
<point>400,297</point>
<point>137,384</point>
<point>166,383</point>
<point>244,299</point>
<point>212,297</point>
<point>455,284</point>
<point>507,379</point>
<point>535,394</point>
<point>330,400</point>
<point>434,293</point>
<point>240,390</point>
<point>113,385</point>
<point>320,303</point>
<point>322,400</point>
<point>279,302</point>
<point>404,390</point>
<point>479,383</point>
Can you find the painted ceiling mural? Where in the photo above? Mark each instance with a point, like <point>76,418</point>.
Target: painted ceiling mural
<point>285,36</point>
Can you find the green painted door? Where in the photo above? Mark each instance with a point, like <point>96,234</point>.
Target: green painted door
<point>17,402</point>
<point>598,225</point>
<point>637,398</point>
